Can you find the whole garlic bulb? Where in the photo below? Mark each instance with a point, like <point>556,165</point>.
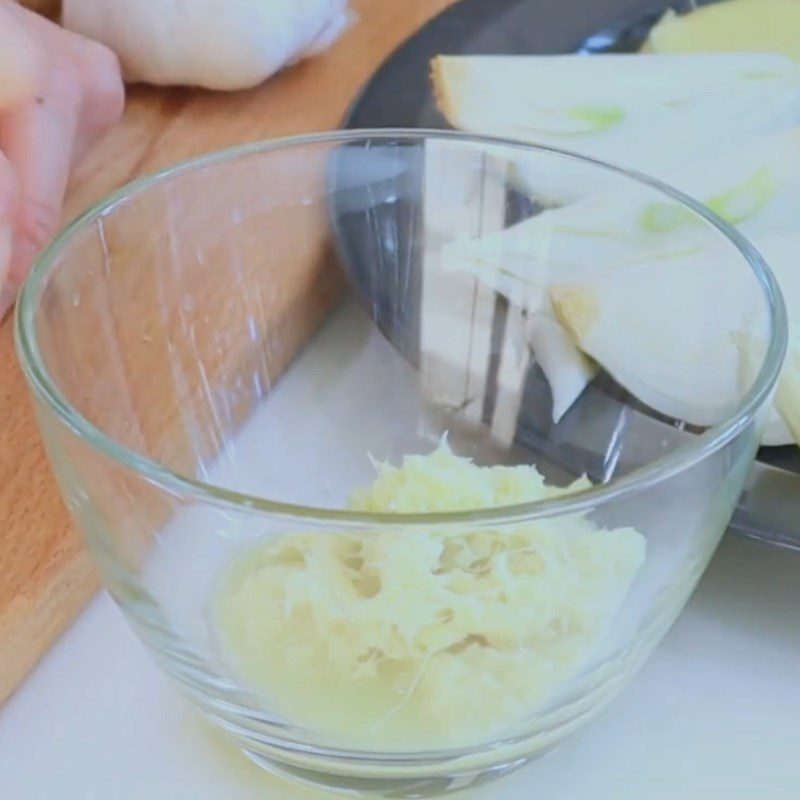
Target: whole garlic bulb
<point>217,44</point>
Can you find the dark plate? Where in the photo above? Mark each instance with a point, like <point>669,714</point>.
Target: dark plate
<point>399,96</point>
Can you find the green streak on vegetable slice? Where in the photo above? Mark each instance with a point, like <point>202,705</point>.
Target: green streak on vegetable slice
<point>761,75</point>
<point>666,217</point>
<point>746,199</point>
<point>600,118</point>
<point>572,230</point>
<point>594,119</point>
<point>739,203</point>
<point>649,258</point>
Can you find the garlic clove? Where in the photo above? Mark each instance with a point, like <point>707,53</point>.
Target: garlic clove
<point>216,44</point>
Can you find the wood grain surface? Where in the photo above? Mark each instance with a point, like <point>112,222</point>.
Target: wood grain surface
<point>45,573</point>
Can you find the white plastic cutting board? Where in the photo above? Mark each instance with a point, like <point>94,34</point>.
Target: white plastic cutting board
<point>715,715</point>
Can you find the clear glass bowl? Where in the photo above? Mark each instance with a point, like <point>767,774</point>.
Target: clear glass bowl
<point>217,352</point>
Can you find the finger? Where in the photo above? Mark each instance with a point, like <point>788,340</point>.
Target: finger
<point>8,294</point>
<point>102,91</point>
<point>19,65</point>
<point>8,195</point>
<point>37,139</point>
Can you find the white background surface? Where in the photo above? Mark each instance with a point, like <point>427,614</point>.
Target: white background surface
<point>715,715</point>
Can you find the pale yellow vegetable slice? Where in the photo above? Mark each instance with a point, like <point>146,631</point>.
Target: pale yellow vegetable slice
<point>782,254</point>
<point>667,330</point>
<point>755,186</point>
<point>750,346</point>
<point>511,263</point>
<point>517,267</point>
<point>763,26</point>
<point>568,371</point>
<point>782,425</point>
<point>787,398</point>
<point>646,112</point>
<point>663,331</point>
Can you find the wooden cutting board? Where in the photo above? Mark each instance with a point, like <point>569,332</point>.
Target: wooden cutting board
<point>45,574</point>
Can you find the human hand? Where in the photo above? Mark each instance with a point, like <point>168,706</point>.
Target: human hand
<point>59,93</point>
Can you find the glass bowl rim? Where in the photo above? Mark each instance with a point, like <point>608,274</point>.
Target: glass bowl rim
<point>177,484</point>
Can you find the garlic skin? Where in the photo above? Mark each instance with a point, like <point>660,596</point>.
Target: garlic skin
<point>215,44</point>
